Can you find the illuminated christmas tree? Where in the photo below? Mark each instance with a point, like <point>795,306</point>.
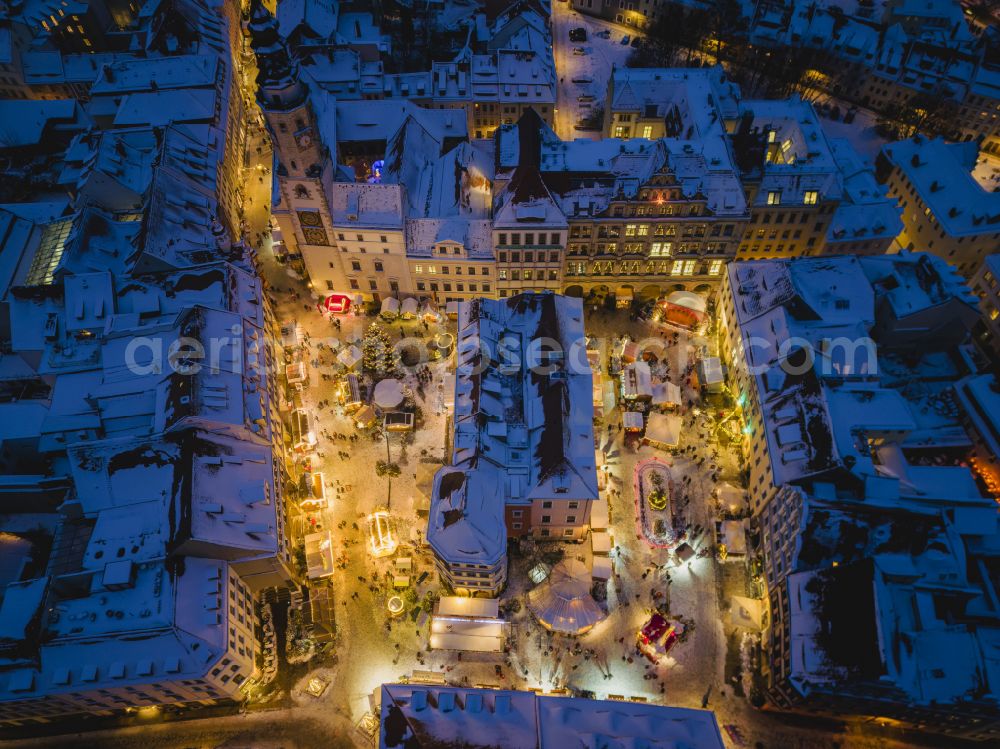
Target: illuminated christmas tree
<point>378,355</point>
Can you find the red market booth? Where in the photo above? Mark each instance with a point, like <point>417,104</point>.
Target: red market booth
<point>684,308</point>
<point>336,304</point>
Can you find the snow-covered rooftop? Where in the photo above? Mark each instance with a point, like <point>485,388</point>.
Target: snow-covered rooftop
<point>523,421</point>
<point>414,715</point>
<point>941,173</point>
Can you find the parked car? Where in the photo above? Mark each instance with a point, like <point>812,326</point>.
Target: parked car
<point>578,51</point>
<point>637,41</point>
<point>626,39</point>
<point>579,34</point>
<point>605,34</point>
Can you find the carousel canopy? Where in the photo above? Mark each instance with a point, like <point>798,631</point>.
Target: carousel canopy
<point>388,394</point>
<point>563,602</point>
<point>687,299</point>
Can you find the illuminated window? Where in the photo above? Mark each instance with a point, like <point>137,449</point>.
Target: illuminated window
<point>49,253</point>
<point>689,267</point>
<point>621,131</point>
<point>774,197</point>
<point>677,268</point>
<point>811,197</point>
<point>661,249</point>
<point>715,268</point>
<point>630,230</point>
<point>643,230</point>
<point>432,269</point>
<point>418,269</point>
<point>647,131</point>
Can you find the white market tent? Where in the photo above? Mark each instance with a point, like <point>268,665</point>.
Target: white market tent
<point>632,421</point>
<point>319,555</point>
<point>408,308</point>
<point>390,307</point>
<point>600,543</point>
<point>637,381</point>
<point>430,313</point>
<point>666,394</point>
<point>388,394</point>
<point>467,624</point>
<point>663,430</point>
<point>602,568</point>
<point>350,356</point>
<point>733,534</point>
<point>448,391</point>
<point>563,602</point>
<point>710,373</point>
<point>599,515</point>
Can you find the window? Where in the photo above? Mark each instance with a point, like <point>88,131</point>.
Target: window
<point>546,518</point>
<point>418,269</point>
<point>621,131</point>
<point>811,197</point>
<point>432,269</point>
<point>573,505</point>
<point>568,533</point>
<point>529,238</point>
<point>677,267</point>
<point>515,238</point>
<point>382,239</point>
<point>421,286</point>
<point>647,131</point>
<point>378,266</point>
<point>502,274</point>
<point>630,230</point>
<point>546,505</point>
<point>643,230</point>
<point>516,526</point>
<point>502,239</point>
<point>715,268</point>
<point>329,285</point>
<point>774,197</point>
<point>545,533</point>
<point>354,283</point>
<point>355,265</point>
<point>571,518</point>
<point>660,249</point>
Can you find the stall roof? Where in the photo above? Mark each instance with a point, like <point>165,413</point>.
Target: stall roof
<point>664,429</point>
<point>600,542</point>
<point>475,607</point>
<point>599,516</point>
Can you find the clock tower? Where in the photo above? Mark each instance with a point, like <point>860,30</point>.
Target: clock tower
<point>284,99</point>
